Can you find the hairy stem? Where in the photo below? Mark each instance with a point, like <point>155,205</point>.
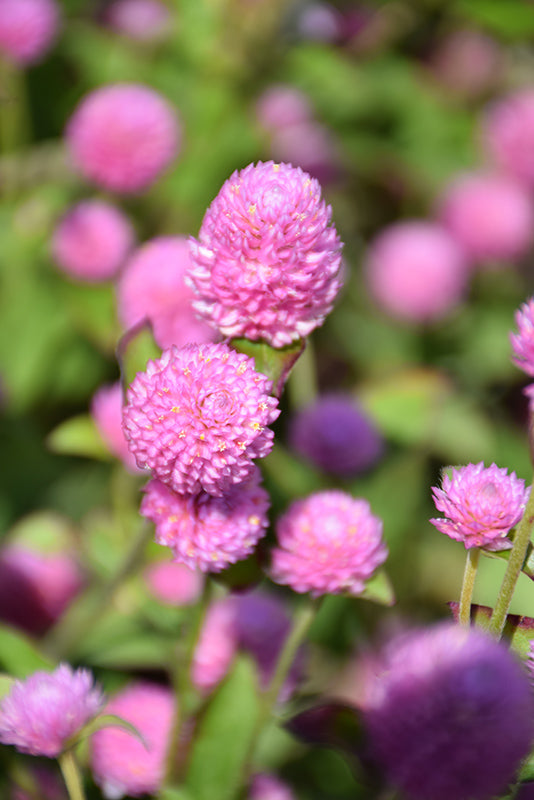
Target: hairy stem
<point>71,775</point>
<point>468,584</point>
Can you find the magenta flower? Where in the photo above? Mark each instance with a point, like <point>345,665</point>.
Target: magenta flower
<point>152,286</point>
<point>120,762</point>
<point>106,410</point>
<point>481,505</point>
<point>123,136</point>
<point>198,416</point>
<point>508,134</point>
<point>206,532</point>
<point>27,29</point>
<point>42,713</point>
<point>92,241</point>
<point>523,341</point>
<point>269,787</point>
<point>142,20</point>
<point>328,543</point>
<point>451,714</point>
<point>281,106</point>
<point>267,260</point>
<point>174,584</point>
<point>216,647</point>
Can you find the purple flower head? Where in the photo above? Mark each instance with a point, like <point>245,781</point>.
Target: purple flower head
<point>198,416</point>
<point>142,20</point>
<point>481,505</point>
<point>523,341</point>
<point>152,285</point>
<point>206,532</point>
<point>106,411</point>
<point>269,787</point>
<point>508,134</point>
<point>27,29</point>
<point>121,764</point>
<point>451,714</point>
<point>267,261</point>
<point>174,584</point>
<point>41,713</point>
<point>123,136</point>
<point>336,436</point>
<point>328,543</point>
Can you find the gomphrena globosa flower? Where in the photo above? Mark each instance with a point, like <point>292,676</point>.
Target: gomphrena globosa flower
<point>123,136</point>
<point>450,714</point>
<point>198,416</point>
<point>142,20</point>
<point>328,543</point>
<point>206,532</point>
<point>92,241</point>
<point>481,505</point>
<point>508,134</point>
<point>41,713</point>
<point>267,261</point>
<point>106,411</point>
<point>27,29</point>
<point>216,646</point>
<point>523,340</point>
<point>120,762</point>
<point>174,584</point>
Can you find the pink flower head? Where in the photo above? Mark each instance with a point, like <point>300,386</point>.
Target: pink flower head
<point>416,271</point>
<point>281,106</point>
<point>106,410</point>
<point>216,648</point>
<point>174,584</point>
<point>467,62</point>
<point>143,20</point>
<point>269,787</point>
<point>451,716</point>
<point>27,29</point>
<point>198,416</point>
<point>523,341</point>
<point>508,133</point>
<point>328,543</point>
<point>152,286</point>
<point>41,713</point>
<point>92,240</point>
<point>490,216</point>
<point>120,762</point>
<point>206,532</point>
<point>481,505</point>
<point>267,261</point>
<point>123,136</point>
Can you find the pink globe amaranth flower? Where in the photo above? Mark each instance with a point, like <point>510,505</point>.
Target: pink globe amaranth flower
<point>206,532</point>
<point>467,62</point>
<point>123,136</point>
<point>142,20</point>
<point>328,543</point>
<point>40,714</point>
<point>336,436</point>
<point>491,216</point>
<point>452,715</point>
<point>174,584</point>
<point>310,146</point>
<point>36,588</point>
<point>269,787</point>
<point>106,410</point>
<point>216,647</point>
<point>523,340</point>
<point>281,106</point>
<point>152,286</point>
<point>508,134</point>
<point>416,271</point>
<point>120,762</point>
<point>198,416</point>
<point>481,505</point>
<point>27,29</point>
<point>267,261</point>
<point>92,241</point>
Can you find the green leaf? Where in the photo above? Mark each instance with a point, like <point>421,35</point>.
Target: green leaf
<point>135,349</point>
<point>172,793</point>
<point>513,19</point>
<point>527,770</point>
<point>224,736</point>
<point>276,363</point>
<point>6,682</point>
<point>379,590</point>
<point>44,531</point>
<point>107,721</point>
<point>18,655</point>
<point>504,555</point>
<point>78,436</point>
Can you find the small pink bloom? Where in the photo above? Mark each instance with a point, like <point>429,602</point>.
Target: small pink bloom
<point>481,505</point>
<point>328,543</point>
<point>269,787</point>
<point>508,134</point>
<point>152,286</point>
<point>309,146</point>
<point>174,584</point>
<point>280,106</point>
<point>198,416</point>
<point>106,410</point>
<point>267,261</point>
<point>142,20</point>
<point>467,62</point>
<point>27,29</point>
<point>41,713</point>
<point>523,340</point>
<point>123,136</point>
<point>92,241</point>
<point>216,647</point>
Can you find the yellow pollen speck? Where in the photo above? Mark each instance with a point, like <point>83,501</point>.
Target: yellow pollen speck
<point>252,208</point>
<point>175,409</point>
<point>257,426</point>
<point>181,435</point>
<point>307,182</point>
<point>201,437</point>
<point>276,167</point>
<point>263,406</point>
<point>161,418</point>
<point>166,389</point>
<point>254,520</point>
<point>173,518</point>
<point>241,368</point>
<point>187,371</point>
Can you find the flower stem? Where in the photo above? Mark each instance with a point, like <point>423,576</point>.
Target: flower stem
<point>71,775</point>
<point>302,384</point>
<point>468,584</point>
<point>513,569</point>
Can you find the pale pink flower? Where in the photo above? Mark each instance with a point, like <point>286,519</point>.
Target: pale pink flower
<point>281,105</point>
<point>123,136</point>
<point>42,713</point>
<point>267,260</point>
<point>152,286</point>
<point>106,410</point>
<point>269,787</point>
<point>508,134</point>
<point>174,584</point>
<point>216,647</point>
<point>27,29</point>
<point>142,20</point>
<point>481,505</point>
<point>328,543</point>
<point>198,416</point>
<point>523,340</point>
<point>467,62</point>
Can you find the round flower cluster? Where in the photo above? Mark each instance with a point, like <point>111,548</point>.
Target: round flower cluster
<point>106,411</point>
<point>481,505</point>
<point>142,20</point>
<point>174,584</point>
<point>523,341</point>
<point>328,543</point>
<point>198,416</point>
<point>216,646</point>
<point>267,261</point>
<point>27,29</point>
<point>508,133</point>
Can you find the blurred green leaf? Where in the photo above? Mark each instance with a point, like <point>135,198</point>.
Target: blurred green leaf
<point>45,531</point>
<point>19,656</point>
<point>78,436</point>
<point>379,590</point>
<point>513,19</point>
<point>276,363</point>
<point>6,682</point>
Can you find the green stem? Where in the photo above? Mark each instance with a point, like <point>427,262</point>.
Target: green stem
<point>513,569</point>
<point>303,385</point>
<point>71,775</point>
<point>471,564</point>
